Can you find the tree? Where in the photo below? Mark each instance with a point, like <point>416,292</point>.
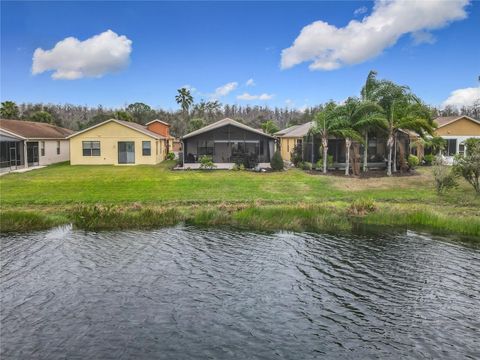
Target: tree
<point>42,116</point>
<point>324,125</point>
<point>349,117</point>
<point>185,99</point>
<point>468,165</point>
<point>9,110</point>
<point>269,127</point>
<point>195,124</point>
<point>404,111</point>
<point>123,115</point>
<point>141,113</point>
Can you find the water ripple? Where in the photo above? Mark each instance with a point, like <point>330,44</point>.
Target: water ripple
<point>189,293</point>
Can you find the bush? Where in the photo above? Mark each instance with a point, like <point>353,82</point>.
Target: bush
<point>238,167</point>
<point>277,162</point>
<point>413,161</point>
<point>307,165</point>
<point>296,155</point>
<point>468,166</point>
<point>170,156</point>
<point>206,162</point>
<point>319,163</point>
<point>429,159</point>
<point>445,178</point>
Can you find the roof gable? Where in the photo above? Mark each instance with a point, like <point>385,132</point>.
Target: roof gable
<point>446,120</point>
<point>133,126</point>
<point>159,121</point>
<point>225,122</point>
<point>297,130</point>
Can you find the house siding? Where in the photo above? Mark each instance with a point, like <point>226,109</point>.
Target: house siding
<point>286,147</point>
<point>109,135</point>
<point>462,127</point>
<point>51,156</point>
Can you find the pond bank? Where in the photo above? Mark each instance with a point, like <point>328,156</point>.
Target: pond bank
<point>339,216</point>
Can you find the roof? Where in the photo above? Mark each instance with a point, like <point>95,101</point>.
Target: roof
<point>160,121</point>
<point>225,122</point>
<point>34,130</point>
<point>134,126</point>
<point>445,120</point>
<point>296,130</point>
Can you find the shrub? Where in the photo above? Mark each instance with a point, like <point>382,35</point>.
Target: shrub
<point>206,162</point>
<point>429,159</point>
<point>170,156</point>
<point>296,154</point>
<point>319,163</point>
<point>468,166</point>
<point>362,207</point>
<point>277,162</point>
<point>413,161</point>
<point>445,178</point>
<point>238,167</point>
<point>307,165</point>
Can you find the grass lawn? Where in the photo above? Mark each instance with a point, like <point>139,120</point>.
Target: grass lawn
<point>59,188</point>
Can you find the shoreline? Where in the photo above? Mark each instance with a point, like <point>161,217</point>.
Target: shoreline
<point>325,217</point>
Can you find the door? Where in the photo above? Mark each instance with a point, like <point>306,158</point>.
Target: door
<point>126,152</point>
<point>32,153</point>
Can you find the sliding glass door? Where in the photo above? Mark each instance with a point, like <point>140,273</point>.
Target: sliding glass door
<point>126,152</point>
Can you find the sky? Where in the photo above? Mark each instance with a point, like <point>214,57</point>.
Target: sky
<point>293,54</point>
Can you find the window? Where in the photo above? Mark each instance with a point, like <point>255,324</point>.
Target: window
<point>91,148</point>
<point>42,148</point>
<point>156,147</point>
<point>299,142</point>
<point>288,145</point>
<point>58,147</point>
<point>461,149</point>
<point>451,147</point>
<point>146,148</point>
<point>207,147</point>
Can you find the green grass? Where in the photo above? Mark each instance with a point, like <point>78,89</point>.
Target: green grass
<point>139,196</point>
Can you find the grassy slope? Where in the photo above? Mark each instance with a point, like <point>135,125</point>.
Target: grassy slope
<point>61,187</point>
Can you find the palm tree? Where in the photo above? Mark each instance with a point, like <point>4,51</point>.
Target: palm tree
<point>324,124</point>
<point>403,111</point>
<point>373,121</point>
<point>351,117</point>
<point>185,99</point>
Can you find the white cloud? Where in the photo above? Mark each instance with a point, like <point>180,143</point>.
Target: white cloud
<point>360,11</point>
<point>463,97</point>
<point>423,37</point>
<point>224,90</point>
<point>247,96</point>
<point>250,82</point>
<point>72,59</point>
<point>189,87</point>
<point>329,47</point>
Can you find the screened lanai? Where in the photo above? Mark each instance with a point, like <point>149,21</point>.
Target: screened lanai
<point>11,152</point>
<point>228,141</point>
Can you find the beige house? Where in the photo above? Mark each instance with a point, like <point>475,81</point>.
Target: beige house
<point>27,144</point>
<point>117,142</point>
<point>291,137</point>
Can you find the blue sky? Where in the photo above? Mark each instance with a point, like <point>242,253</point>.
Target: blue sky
<point>221,45</point>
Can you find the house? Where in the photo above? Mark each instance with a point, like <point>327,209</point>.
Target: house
<point>291,137</point>
<point>118,142</point>
<point>26,144</point>
<point>227,141</point>
<point>455,130</point>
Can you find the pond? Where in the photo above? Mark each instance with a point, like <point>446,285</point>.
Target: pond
<point>193,293</point>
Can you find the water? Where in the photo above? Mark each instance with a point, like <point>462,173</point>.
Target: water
<point>185,293</point>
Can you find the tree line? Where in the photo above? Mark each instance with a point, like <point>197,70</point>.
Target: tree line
<point>191,115</point>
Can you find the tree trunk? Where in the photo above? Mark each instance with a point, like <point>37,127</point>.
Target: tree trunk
<point>348,143</point>
<point>365,153</point>
<point>325,155</point>
<point>395,153</point>
<point>390,145</point>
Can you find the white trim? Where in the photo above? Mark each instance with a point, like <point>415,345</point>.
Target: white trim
<point>225,122</point>
<point>13,134</point>
<point>160,121</point>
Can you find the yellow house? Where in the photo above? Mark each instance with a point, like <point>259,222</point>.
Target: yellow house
<point>117,142</point>
<point>290,137</point>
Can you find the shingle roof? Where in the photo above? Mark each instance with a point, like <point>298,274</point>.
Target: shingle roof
<point>34,130</point>
<point>284,131</point>
<point>224,122</point>
<point>445,120</point>
<point>297,130</point>
<point>134,126</point>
